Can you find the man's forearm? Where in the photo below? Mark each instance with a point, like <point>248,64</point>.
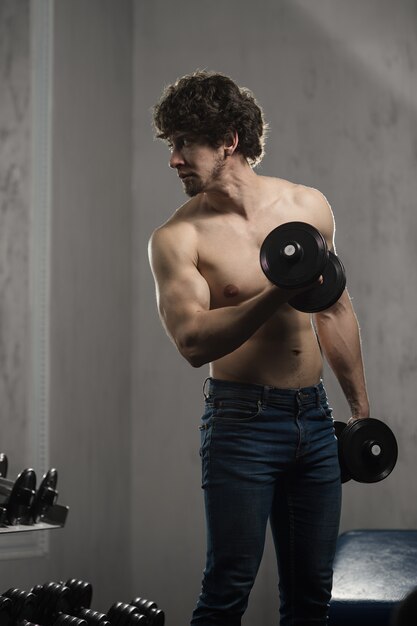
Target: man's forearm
<point>218,332</point>
<point>339,336</point>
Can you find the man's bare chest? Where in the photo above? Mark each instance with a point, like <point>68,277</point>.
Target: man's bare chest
<point>228,259</point>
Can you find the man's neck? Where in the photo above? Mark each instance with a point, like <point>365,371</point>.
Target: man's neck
<point>237,191</point>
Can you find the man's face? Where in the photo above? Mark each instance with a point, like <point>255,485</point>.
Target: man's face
<point>198,165</point>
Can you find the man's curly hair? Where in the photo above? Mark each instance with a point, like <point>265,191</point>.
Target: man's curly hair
<point>207,106</point>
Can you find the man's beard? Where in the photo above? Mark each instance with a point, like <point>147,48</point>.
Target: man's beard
<point>193,185</point>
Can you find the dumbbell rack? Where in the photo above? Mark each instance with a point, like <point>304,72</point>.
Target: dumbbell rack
<point>43,512</point>
<point>55,603</point>
<point>56,518</point>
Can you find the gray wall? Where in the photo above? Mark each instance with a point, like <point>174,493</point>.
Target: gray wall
<point>91,290</point>
<point>90,333</point>
<point>338,84</point>
<point>14,227</point>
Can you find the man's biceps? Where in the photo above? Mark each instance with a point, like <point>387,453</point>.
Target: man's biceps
<point>192,289</point>
<point>179,321</point>
<point>174,305</point>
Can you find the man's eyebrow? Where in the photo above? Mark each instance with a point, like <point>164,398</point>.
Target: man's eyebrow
<point>180,137</point>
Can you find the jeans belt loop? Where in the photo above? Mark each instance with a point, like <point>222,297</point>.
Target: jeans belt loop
<point>265,395</point>
<point>206,395</point>
<point>318,399</point>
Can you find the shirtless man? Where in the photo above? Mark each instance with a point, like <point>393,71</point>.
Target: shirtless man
<point>267,438</point>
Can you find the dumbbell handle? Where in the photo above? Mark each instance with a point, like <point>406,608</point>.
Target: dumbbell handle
<point>292,251</point>
<point>373,447</point>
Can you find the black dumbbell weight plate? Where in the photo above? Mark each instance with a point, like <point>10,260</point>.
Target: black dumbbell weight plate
<point>321,297</point>
<point>6,611</point>
<point>69,620</point>
<point>121,614</point>
<point>21,497</point>
<point>156,616</point>
<point>81,593</point>
<point>3,516</point>
<point>53,598</point>
<point>46,495</point>
<point>339,428</point>
<point>3,465</point>
<point>370,450</point>
<point>293,270</point>
<point>94,618</point>
<point>24,604</point>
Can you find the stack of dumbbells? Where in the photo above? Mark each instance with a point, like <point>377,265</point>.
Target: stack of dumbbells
<point>22,503</point>
<point>61,604</point>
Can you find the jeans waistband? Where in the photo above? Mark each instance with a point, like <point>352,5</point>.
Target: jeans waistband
<point>214,387</point>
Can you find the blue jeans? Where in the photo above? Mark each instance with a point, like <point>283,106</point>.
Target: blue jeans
<point>268,453</point>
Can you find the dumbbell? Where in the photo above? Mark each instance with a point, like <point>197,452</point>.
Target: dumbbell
<point>6,612</point>
<point>22,605</point>
<point>94,618</point>
<point>67,603</point>
<point>122,614</point>
<point>368,450</point>
<point>52,600</point>
<point>61,604</point>
<point>17,497</point>
<point>4,464</point>
<point>295,255</point>
<point>45,496</point>
<point>80,603</point>
<point>3,474</point>
<point>156,616</point>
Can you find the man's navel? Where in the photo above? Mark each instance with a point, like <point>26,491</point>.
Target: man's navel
<point>231,291</point>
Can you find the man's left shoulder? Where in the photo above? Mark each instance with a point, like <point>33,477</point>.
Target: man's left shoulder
<point>301,195</point>
<point>310,198</point>
<point>311,206</point>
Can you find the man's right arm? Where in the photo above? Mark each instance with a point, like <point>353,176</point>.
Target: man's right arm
<point>202,334</point>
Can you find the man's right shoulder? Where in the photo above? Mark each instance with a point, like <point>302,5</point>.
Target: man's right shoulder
<point>175,227</point>
<point>177,236</point>
<point>181,219</point>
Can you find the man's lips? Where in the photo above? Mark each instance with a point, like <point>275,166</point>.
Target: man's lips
<point>182,176</point>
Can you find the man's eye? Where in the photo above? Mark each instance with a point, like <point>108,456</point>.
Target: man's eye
<point>180,143</point>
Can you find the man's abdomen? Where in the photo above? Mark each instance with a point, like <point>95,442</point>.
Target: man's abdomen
<point>291,362</point>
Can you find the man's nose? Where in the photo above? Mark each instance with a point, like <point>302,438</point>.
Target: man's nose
<point>176,158</point>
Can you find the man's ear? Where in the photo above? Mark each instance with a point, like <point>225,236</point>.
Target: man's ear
<point>231,142</point>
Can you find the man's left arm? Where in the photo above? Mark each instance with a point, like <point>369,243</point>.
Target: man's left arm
<point>339,336</point>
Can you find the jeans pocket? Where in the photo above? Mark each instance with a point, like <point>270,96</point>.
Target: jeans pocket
<point>205,430</point>
<point>236,410</point>
<point>326,411</point>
